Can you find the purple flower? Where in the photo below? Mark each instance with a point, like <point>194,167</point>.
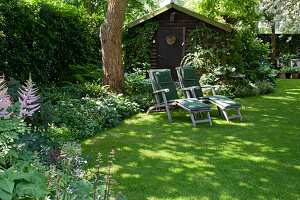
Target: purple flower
<point>27,99</point>
<point>4,100</point>
<point>78,173</point>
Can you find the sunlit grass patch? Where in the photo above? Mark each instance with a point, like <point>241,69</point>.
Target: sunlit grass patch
<point>257,158</point>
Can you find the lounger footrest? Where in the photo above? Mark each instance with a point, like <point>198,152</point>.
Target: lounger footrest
<point>232,117</point>
<point>223,101</point>
<point>193,104</point>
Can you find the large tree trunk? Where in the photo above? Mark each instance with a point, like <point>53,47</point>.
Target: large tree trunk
<point>273,44</point>
<point>111,41</point>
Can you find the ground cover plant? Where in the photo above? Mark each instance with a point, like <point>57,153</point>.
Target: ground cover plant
<point>254,159</point>
<point>81,110</point>
<point>34,165</point>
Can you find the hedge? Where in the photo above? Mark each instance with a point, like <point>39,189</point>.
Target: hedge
<point>43,38</point>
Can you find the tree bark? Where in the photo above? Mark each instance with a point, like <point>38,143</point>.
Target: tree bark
<point>111,42</point>
<point>273,44</point>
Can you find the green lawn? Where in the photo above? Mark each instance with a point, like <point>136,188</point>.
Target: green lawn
<point>258,158</point>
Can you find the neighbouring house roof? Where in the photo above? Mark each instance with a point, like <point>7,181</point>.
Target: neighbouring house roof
<point>181,9</point>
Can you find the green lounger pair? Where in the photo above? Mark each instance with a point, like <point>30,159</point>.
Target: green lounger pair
<point>167,97</point>
<point>187,77</point>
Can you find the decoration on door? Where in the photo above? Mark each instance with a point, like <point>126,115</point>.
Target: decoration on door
<point>171,39</point>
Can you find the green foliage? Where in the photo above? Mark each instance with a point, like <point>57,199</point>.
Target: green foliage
<point>247,90</point>
<point>255,53</point>
<point>138,8</point>
<point>282,14</point>
<point>214,52</point>
<point>284,59</point>
<point>80,118</point>
<point>32,165</point>
<point>235,60</point>
<point>286,69</point>
<point>287,47</point>
<point>96,90</point>
<point>85,117</point>
<point>26,183</point>
<point>236,13</point>
<point>43,38</point>
<point>13,128</point>
<point>81,110</point>
<point>135,8</point>
<point>295,69</point>
<point>136,46</point>
<point>84,73</point>
<point>137,84</point>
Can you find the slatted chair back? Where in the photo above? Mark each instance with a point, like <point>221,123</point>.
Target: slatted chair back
<point>161,79</point>
<point>187,77</point>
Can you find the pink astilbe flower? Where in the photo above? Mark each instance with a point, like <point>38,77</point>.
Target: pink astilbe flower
<point>4,100</point>
<point>27,99</point>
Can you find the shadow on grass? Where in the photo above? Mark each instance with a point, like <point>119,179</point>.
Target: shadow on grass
<point>254,159</point>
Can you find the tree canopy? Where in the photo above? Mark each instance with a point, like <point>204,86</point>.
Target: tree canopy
<point>283,14</point>
<point>135,8</point>
<point>235,12</point>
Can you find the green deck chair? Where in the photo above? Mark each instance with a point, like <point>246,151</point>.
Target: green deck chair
<point>167,97</point>
<point>187,76</point>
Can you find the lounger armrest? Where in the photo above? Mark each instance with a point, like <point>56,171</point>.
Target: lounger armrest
<point>212,88</point>
<point>162,90</point>
<point>190,88</point>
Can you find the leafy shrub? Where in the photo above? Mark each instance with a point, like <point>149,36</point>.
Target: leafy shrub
<point>284,59</point>
<point>55,94</point>
<point>136,45</point>
<point>214,52</point>
<point>295,69</point>
<point>43,38</point>
<point>82,119</point>
<point>30,168</point>
<point>84,73</point>
<point>95,90</point>
<point>137,84</point>
<point>286,69</point>
<point>85,117</point>
<point>240,91</point>
<point>234,60</point>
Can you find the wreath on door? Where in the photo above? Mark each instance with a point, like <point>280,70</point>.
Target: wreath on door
<point>171,39</point>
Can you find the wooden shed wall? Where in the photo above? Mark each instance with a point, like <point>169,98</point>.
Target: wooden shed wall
<point>181,20</point>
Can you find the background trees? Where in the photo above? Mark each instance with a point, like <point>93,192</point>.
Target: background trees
<point>283,16</point>
<point>58,40</point>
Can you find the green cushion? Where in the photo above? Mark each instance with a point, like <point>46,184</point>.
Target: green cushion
<point>223,101</point>
<point>162,76</point>
<point>193,104</point>
<point>189,73</point>
<point>162,80</point>
<point>189,79</point>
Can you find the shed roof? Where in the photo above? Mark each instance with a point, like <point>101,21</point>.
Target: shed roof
<point>181,9</point>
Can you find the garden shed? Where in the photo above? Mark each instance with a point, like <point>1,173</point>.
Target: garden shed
<point>169,42</point>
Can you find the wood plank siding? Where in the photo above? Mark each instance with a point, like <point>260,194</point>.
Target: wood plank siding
<point>181,20</point>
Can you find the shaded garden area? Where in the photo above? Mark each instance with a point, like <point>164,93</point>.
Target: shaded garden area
<point>74,91</point>
<point>253,159</point>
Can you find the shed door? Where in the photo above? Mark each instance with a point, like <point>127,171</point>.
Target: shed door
<point>170,48</point>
